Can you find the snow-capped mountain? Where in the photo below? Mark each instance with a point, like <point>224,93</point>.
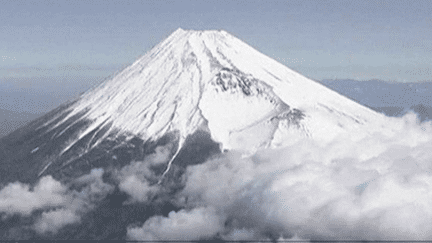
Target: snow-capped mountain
<point>206,82</point>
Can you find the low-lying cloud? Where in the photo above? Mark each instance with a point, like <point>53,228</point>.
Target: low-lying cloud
<point>19,198</point>
<point>60,205</point>
<point>52,221</point>
<point>138,189</point>
<point>65,204</point>
<point>138,180</point>
<point>195,224</point>
<point>378,188</point>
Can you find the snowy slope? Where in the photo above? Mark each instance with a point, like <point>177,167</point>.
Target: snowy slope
<point>197,78</point>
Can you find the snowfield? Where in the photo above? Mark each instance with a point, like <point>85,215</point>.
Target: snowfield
<point>198,77</point>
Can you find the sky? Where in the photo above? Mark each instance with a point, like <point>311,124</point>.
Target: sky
<point>51,51</point>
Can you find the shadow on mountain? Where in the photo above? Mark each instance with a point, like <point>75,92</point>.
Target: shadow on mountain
<point>27,150</point>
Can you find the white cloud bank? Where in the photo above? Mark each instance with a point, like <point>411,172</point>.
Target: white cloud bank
<point>61,206</point>
<point>195,224</point>
<point>378,188</point>
<point>18,198</point>
<point>138,180</point>
<point>54,220</point>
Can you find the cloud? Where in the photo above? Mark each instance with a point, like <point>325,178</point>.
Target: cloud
<point>139,190</point>
<point>198,223</point>
<point>139,179</point>
<point>375,188</point>
<point>19,198</point>
<point>93,189</point>
<point>161,155</point>
<point>60,204</point>
<point>54,220</point>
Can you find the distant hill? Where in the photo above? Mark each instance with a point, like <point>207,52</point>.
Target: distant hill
<point>25,99</point>
<point>390,98</point>
<point>12,120</point>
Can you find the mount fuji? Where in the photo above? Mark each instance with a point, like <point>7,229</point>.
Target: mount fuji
<point>195,96</point>
<point>208,82</point>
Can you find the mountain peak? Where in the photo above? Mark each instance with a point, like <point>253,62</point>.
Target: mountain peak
<point>181,30</point>
<point>196,77</point>
<point>209,80</point>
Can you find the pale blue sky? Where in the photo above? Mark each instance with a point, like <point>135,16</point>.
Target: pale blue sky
<point>60,48</point>
<point>390,40</point>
